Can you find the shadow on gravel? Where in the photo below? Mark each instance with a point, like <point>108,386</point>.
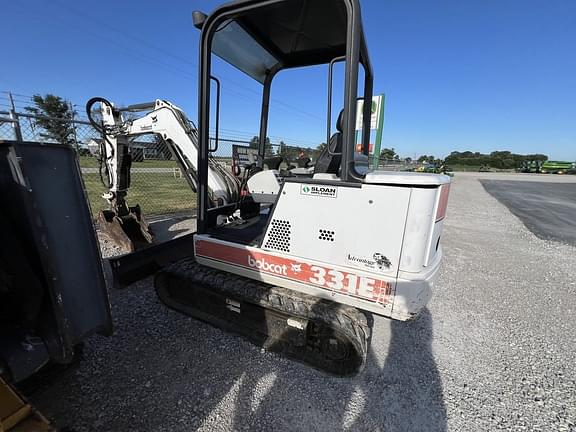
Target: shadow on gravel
<point>407,390</point>
<point>405,394</point>
<point>165,372</point>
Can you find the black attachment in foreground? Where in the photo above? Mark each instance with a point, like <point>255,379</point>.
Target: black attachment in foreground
<point>52,289</point>
<point>322,334</point>
<point>127,269</point>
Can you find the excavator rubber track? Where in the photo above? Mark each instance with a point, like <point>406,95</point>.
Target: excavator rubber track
<point>325,335</point>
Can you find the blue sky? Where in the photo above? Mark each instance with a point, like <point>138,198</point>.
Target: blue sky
<point>478,75</point>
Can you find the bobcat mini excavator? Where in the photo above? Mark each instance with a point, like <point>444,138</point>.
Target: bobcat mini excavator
<point>290,262</point>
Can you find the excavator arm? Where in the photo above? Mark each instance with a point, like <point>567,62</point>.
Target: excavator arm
<point>168,122</point>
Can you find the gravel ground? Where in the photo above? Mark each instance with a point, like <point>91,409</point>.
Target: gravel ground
<point>494,350</point>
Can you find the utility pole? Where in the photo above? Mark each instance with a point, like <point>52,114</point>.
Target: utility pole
<point>15,119</point>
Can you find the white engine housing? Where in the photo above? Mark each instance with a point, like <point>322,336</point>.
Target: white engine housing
<point>373,245</point>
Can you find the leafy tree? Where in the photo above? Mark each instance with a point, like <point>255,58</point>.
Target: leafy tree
<point>289,153</point>
<point>388,154</point>
<point>268,149</point>
<point>54,116</point>
<point>426,159</point>
<point>537,157</point>
<point>496,159</point>
<point>315,154</point>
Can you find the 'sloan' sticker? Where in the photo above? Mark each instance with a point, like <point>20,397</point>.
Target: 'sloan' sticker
<point>319,190</point>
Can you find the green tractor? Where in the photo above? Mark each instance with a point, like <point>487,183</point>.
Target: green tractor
<point>533,166</point>
<point>558,167</point>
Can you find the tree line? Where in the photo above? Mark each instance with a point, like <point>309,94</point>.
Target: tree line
<point>55,115</point>
<point>289,153</point>
<point>496,159</point>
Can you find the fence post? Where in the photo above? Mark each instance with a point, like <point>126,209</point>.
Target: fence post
<point>73,125</point>
<point>15,119</point>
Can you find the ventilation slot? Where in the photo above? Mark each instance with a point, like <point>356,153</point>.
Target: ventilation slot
<point>326,235</point>
<point>279,236</point>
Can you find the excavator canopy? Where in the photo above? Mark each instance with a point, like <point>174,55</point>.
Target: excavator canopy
<point>282,35</point>
<point>263,37</point>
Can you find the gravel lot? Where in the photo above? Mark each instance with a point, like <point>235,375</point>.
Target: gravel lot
<point>494,350</point>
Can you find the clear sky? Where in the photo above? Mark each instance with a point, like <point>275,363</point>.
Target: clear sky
<point>478,75</point>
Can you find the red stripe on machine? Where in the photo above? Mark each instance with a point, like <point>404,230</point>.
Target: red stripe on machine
<point>363,287</point>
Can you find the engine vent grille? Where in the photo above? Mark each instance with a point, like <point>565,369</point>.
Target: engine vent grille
<point>279,236</point>
<point>326,235</point>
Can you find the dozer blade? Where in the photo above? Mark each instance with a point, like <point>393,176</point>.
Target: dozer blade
<point>322,334</point>
<point>129,233</point>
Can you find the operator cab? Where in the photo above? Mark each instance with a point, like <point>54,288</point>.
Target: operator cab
<point>262,41</point>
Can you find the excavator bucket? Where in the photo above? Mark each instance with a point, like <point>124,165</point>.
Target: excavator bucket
<point>128,233</point>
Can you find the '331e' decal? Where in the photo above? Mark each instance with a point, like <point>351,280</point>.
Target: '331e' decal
<point>349,283</point>
<point>359,286</point>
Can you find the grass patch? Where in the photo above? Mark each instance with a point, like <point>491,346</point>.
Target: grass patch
<point>92,162</point>
<point>157,193</point>
<point>475,168</point>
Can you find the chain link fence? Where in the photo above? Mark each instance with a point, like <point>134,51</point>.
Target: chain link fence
<point>157,183</point>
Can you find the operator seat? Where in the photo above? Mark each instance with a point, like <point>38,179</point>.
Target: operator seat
<point>327,163</point>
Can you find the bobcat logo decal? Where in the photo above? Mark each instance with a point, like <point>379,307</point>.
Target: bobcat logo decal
<point>381,261</point>
<point>296,268</point>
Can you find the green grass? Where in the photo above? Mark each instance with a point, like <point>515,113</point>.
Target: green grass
<point>157,193</point>
<point>464,167</point>
<point>476,168</point>
<point>92,162</point>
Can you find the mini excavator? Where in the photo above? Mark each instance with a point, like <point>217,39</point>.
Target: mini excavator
<point>291,262</point>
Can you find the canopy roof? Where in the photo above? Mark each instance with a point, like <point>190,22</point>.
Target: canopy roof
<point>284,34</point>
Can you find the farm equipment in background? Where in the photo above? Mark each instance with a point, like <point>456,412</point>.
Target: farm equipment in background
<point>438,167</point>
<point>547,167</point>
<point>557,167</point>
<point>534,166</point>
